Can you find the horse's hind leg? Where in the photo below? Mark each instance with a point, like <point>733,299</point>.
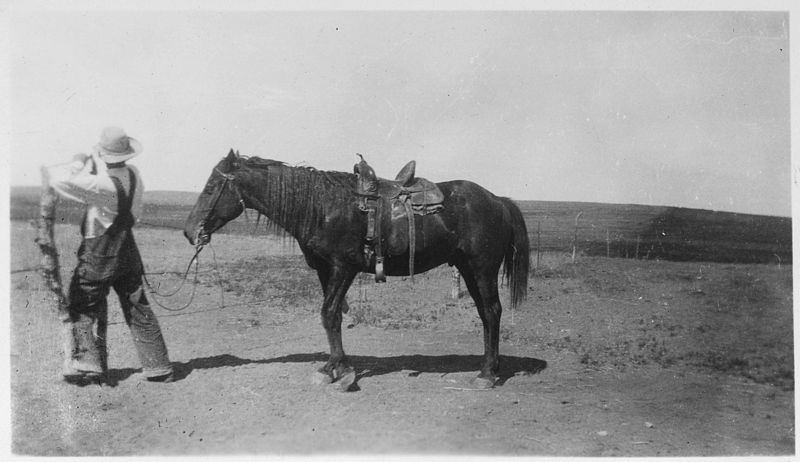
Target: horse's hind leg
<point>483,290</point>
<point>337,368</point>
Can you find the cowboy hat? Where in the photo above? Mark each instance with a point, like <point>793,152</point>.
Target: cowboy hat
<point>115,146</point>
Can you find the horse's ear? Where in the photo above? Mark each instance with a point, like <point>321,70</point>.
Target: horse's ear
<point>232,159</point>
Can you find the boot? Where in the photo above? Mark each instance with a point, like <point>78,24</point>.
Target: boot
<point>83,360</point>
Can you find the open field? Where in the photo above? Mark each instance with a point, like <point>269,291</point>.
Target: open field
<point>613,230</point>
<point>607,357</point>
<point>667,233</point>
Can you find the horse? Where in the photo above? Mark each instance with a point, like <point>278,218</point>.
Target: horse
<point>475,231</point>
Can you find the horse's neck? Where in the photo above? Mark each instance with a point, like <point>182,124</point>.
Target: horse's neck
<point>274,193</point>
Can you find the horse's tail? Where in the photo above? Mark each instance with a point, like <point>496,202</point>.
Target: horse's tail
<point>517,257</point>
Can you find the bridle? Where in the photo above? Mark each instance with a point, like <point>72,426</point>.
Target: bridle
<point>217,195</point>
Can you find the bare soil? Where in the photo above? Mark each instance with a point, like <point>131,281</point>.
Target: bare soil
<point>608,357</point>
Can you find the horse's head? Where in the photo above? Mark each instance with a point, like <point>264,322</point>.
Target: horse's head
<point>219,203</point>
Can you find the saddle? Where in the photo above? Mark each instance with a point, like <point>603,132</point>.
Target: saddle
<point>387,204</point>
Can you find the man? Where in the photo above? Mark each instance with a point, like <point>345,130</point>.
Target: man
<point>108,258</point>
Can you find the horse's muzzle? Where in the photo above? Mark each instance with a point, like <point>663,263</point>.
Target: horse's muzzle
<point>202,238</point>
<point>199,239</point>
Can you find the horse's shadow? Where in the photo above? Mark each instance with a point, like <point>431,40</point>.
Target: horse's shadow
<point>371,366</point>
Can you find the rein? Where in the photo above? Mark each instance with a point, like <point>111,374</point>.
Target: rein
<point>155,292</point>
<point>196,262</point>
<point>229,178</point>
<point>199,248</point>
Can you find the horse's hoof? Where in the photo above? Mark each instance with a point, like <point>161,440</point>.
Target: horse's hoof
<point>483,383</point>
<point>346,380</point>
<point>321,378</point>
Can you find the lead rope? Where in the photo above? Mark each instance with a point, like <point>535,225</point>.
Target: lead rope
<point>228,178</point>
<point>196,262</point>
<point>155,292</point>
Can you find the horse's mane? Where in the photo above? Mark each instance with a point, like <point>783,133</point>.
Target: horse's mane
<point>298,197</point>
<point>259,163</point>
<point>334,178</point>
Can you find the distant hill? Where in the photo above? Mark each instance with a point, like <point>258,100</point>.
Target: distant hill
<point>31,193</point>
<point>669,233</point>
<point>614,230</point>
<point>183,198</point>
<point>161,208</point>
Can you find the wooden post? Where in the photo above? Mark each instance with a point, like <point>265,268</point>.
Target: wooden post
<point>49,266</point>
<point>362,292</point>
<point>608,245</point>
<point>575,238</point>
<point>455,280</point>
<point>538,242</point>
<point>638,239</point>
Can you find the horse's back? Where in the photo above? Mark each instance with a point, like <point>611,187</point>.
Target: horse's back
<point>479,218</point>
<point>464,196</point>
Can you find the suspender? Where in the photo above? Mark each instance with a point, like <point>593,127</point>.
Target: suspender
<point>124,201</point>
<point>124,216</point>
<point>104,257</point>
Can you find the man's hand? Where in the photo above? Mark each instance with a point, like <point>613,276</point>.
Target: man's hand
<point>78,162</point>
<point>80,157</point>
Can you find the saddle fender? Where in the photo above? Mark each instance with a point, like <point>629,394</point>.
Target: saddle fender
<point>391,207</point>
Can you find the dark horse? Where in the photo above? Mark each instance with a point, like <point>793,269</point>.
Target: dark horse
<point>476,231</point>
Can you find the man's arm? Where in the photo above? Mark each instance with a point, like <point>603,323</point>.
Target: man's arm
<point>75,181</point>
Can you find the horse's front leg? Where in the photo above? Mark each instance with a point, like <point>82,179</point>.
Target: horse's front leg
<point>337,368</point>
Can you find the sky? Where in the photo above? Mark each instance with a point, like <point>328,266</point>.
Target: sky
<point>675,108</point>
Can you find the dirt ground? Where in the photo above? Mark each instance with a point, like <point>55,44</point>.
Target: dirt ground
<point>581,375</point>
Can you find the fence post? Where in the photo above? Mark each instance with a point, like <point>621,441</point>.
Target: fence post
<point>362,292</point>
<point>455,289</point>
<point>575,237</point>
<point>538,242</point>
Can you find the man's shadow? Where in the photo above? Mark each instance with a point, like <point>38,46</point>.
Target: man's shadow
<point>367,366</point>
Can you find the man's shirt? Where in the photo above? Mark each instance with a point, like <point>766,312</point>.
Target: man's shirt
<point>76,182</point>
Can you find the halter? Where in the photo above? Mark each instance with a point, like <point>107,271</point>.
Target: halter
<point>218,194</point>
